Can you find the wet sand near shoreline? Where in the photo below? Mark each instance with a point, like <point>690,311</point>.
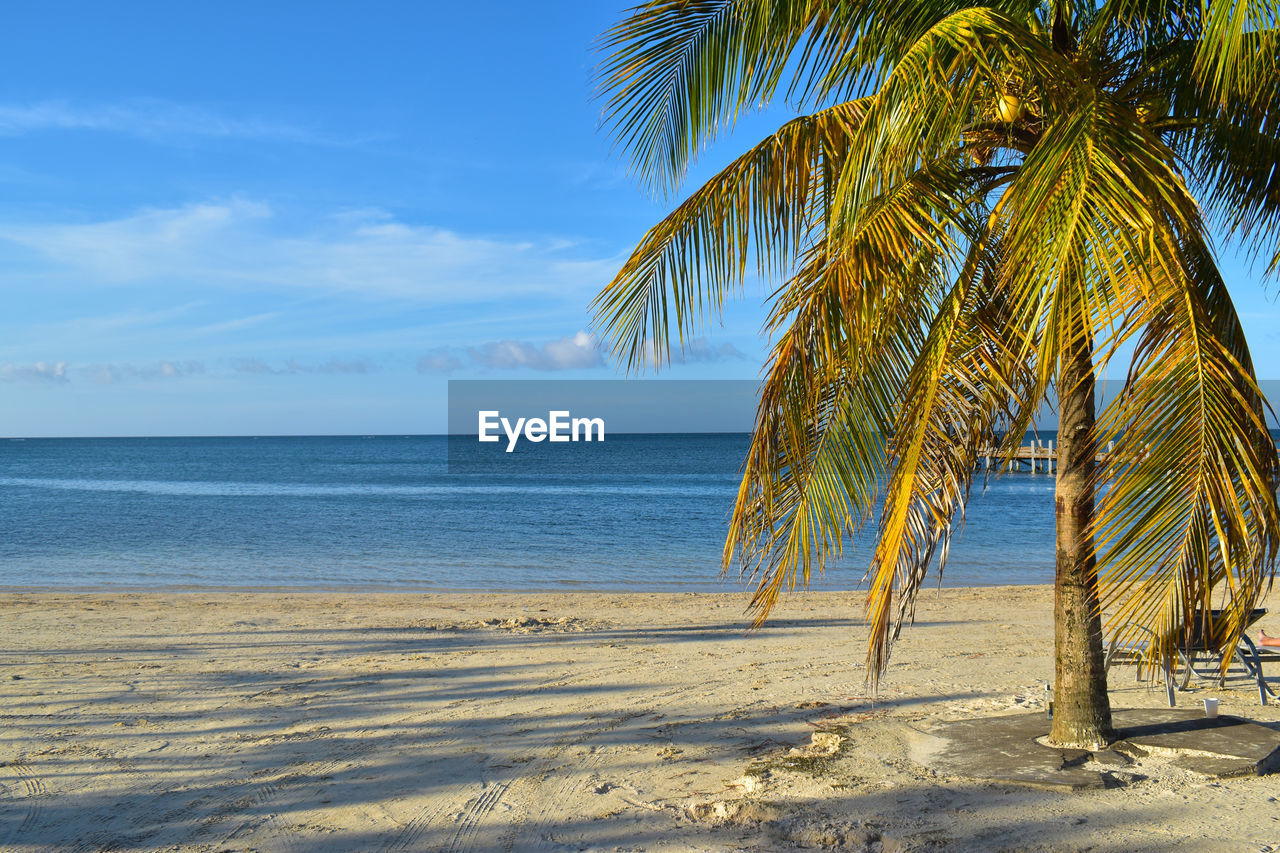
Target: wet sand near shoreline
<point>281,721</point>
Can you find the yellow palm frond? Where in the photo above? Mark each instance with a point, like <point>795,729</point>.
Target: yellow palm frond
<point>1190,503</point>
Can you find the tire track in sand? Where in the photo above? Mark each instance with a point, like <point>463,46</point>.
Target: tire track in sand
<point>534,816</point>
<point>473,810</point>
<point>526,787</point>
<point>526,790</point>
<point>530,788</point>
<point>267,791</point>
<point>32,792</point>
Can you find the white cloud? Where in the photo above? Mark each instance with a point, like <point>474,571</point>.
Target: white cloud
<point>106,373</point>
<point>439,360</point>
<point>694,351</point>
<point>241,244</point>
<point>293,366</point>
<point>41,371</point>
<point>110,373</point>
<point>573,352</point>
<point>147,118</point>
<point>569,353</point>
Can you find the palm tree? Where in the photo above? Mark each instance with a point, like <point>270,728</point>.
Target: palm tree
<point>983,208</point>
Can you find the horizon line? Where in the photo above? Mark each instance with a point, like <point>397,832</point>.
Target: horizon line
<point>340,435</point>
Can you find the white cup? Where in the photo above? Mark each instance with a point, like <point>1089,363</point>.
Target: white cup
<point>1211,708</point>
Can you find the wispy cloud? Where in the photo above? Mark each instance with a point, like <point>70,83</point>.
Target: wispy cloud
<point>569,353</point>
<point>694,351</point>
<point>439,360</point>
<point>126,322</point>
<point>236,324</point>
<point>573,352</point>
<point>241,244</point>
<point>147,118</point>
<point>121,372</point>
<point>700,350</point>
<point>107,373</point>
<point>293,366</point>
<point>596,176</point>
<point>40,371</point>
<point>60,372</point>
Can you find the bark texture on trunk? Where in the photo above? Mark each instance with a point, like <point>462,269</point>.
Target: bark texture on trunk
<point>1081,709</point>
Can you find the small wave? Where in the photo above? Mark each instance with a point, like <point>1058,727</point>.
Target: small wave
<point>198,488</point>
<point>182,488</point>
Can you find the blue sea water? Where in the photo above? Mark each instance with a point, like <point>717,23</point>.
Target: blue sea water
<point>386,512</point>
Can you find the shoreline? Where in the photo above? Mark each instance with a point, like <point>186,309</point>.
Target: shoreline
<point>335,589</point>
<point>279,721</point>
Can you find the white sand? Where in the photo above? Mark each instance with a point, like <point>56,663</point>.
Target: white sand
<point>300,722</point>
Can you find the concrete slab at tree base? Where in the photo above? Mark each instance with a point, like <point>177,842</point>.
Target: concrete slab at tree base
<point>1007,749</point>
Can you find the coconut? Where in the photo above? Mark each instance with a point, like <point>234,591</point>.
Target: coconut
<point>1009,108</point>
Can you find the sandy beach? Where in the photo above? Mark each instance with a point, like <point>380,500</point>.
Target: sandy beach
<point>272,721</point>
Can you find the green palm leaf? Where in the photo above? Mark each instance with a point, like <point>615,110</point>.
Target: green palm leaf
<point>766,200</point>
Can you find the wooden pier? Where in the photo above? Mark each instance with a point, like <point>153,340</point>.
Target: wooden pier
<point>1038,457</point>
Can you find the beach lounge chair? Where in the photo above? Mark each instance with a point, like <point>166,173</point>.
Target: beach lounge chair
<point>1253,657</point>
<point>1198,659</point>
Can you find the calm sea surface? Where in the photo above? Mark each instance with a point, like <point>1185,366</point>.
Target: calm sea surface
<point>385,512</point>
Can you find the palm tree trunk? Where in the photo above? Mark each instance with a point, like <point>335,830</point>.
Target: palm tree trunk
<point>1081,710</point>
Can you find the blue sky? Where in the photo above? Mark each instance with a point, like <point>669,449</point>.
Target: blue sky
<point>281,218</point>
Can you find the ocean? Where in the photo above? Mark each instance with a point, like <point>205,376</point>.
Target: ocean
<point>385,512</point>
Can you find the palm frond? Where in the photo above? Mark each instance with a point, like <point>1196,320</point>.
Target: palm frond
<point>929,104</point>
<point>1080,219</point>
<point>767,199</point>
<point>680,69</point>
<point>1230,154</point>
<point>861,43</point>
<point>1235,57</point>
<point>965,387</point>
<point>1190,506</point>
<point>816,456</point>
<point>851,331</point>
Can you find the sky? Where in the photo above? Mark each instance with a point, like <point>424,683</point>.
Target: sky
<point>286,218</point>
